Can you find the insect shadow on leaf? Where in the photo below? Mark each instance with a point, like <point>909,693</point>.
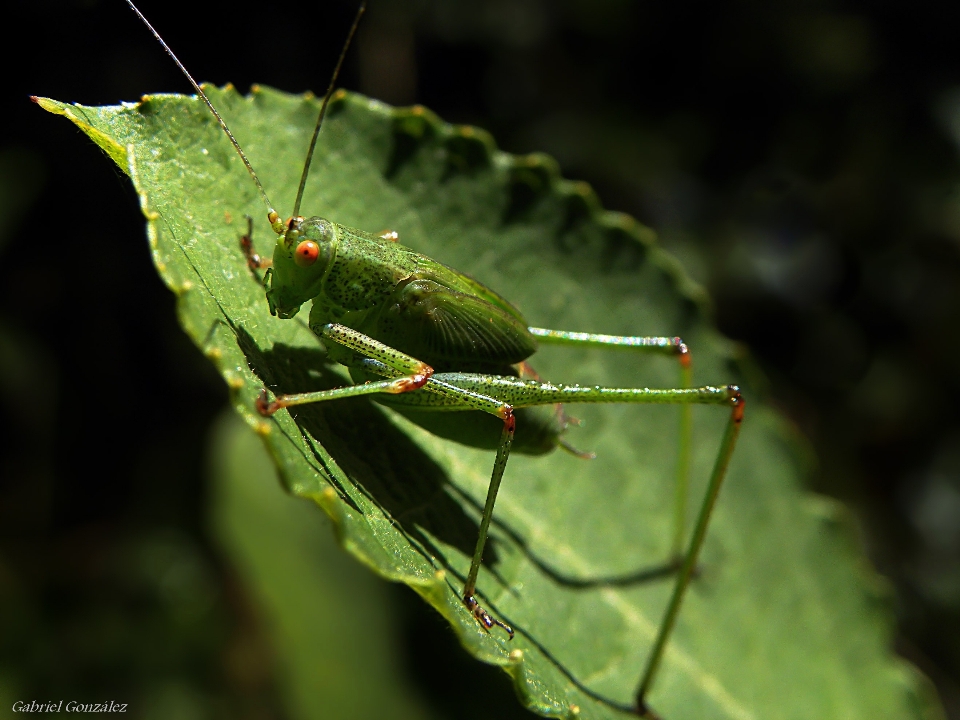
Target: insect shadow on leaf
<point>395,473</point>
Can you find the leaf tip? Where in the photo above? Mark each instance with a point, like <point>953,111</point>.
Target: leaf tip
<point>51,106</point>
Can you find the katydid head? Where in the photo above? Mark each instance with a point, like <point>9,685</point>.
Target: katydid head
<point>300,260</point>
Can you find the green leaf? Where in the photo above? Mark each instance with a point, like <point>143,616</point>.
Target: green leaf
<point>784,621</point>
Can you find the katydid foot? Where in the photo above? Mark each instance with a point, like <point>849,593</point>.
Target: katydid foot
<point>483,617</point>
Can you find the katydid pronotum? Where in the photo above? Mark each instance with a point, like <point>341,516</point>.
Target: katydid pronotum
<point>426,339</point>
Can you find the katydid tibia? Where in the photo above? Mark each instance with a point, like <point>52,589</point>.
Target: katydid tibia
<point>431,342</point>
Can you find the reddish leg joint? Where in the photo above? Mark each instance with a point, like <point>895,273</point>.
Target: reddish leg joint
<point>266,407</point>
<point>736,402</point>
<point>414,382</point>
<point>683,353</point>
<point>483,616</point>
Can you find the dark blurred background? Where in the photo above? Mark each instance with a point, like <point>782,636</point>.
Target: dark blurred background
<point>800,157</point>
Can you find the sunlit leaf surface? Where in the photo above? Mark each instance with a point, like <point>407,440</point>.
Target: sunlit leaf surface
<point>785,619</point>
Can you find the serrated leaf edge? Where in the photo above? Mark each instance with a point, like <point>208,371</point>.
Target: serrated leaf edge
<point>434,590</point>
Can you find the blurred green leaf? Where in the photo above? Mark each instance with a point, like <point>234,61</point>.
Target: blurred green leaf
<point>785,620</point>
<point>329,619</point>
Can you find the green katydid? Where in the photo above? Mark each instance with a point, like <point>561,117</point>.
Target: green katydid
<point>431,342</point>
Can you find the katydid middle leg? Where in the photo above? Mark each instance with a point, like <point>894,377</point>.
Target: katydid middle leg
<point>405,373</point>
<point>672,347</point>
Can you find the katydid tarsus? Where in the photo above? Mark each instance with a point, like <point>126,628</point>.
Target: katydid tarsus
<point>432,342</point>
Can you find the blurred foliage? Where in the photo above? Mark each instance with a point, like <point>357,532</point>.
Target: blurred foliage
<point>800,157</point>
<point>330,620</point>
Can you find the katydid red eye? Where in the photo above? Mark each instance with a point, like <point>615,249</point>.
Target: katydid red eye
<point>306,253</point>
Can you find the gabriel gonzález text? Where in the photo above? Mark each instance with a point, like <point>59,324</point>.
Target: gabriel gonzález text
<point>73,706</point>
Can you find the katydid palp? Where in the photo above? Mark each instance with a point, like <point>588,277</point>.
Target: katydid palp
<point>431,342</point>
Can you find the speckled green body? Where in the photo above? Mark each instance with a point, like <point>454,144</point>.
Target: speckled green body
<point>420,307</point>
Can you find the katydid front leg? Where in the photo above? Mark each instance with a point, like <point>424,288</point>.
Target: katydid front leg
<point>254,260</point>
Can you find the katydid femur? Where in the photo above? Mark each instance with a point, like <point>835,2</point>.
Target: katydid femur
<point>432,342</point>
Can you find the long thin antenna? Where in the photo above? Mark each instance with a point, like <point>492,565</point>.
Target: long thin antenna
<point>271,213</point>
<point>323,108</point>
